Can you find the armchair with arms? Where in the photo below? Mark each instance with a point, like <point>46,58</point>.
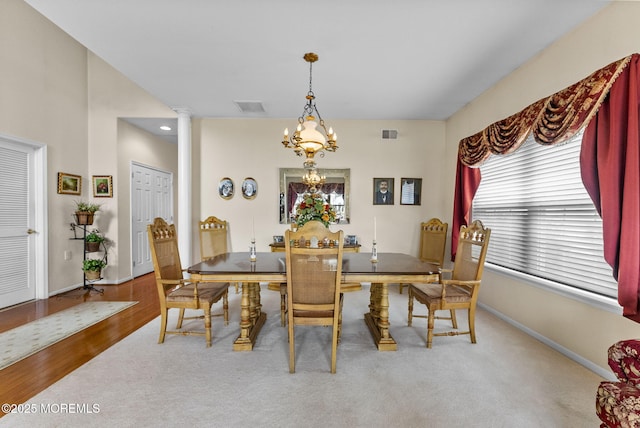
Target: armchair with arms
<point>618,403</point>
<point>174,291</point>
<point>459,292</point>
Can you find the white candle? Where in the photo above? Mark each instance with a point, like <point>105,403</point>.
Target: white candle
<point>253,227</point>
<point>374,229</point>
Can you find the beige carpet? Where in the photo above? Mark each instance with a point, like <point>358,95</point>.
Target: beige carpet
<point>507,379</point>
<point>20,342</point>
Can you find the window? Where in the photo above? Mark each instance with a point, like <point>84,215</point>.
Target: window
<point>542,220</point>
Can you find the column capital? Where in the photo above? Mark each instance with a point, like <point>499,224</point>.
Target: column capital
<point>182,111</point>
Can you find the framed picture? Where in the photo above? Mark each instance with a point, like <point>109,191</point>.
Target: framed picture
<point>102,186</point>
<point>383,191</point>
<point>249,188</point>
<point>225,188</point>
<point>410,191</point>
<point>278,239</point>
<point>69,184</point>
<point>351,240</point>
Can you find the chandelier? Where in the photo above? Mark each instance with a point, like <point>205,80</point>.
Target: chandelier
<point>307,139</point>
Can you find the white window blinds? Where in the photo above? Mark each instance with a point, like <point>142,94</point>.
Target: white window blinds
<point>542,220</point>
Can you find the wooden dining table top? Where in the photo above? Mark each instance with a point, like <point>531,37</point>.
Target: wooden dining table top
<point>353,264</point>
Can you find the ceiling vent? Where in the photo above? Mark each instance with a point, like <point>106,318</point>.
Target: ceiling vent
<point>250,106</point>
<point>389,134</point>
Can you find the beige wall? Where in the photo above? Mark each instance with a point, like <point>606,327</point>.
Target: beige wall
<point>251,148</point>
<point>610,35</point>
<point>43,98</point>
<point>112,96</point>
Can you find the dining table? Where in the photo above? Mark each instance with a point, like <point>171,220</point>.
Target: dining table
<point>389,268</point>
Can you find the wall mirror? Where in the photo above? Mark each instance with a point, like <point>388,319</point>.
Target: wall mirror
<point>336,190</point>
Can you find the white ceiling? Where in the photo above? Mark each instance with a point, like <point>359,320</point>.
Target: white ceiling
<point>406,59</point>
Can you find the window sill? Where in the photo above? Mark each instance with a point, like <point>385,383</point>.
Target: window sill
<point>604,303</point>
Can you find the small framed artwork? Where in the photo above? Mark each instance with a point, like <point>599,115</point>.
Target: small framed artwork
<point>410,191</point>
<point>225,188</point>
<point>351,240</point>
<point>249,188</point>
<point>102,186</point>
<point>69,184</point>
<point>383,191</point>
<point>278,239</point>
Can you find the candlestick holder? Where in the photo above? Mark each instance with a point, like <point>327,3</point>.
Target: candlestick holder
<point>374,253</point>
<point>252,251</point>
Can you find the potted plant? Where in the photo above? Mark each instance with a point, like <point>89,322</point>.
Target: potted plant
<point>85,212</point>
<point>93,240</point>
<point>93,268</point>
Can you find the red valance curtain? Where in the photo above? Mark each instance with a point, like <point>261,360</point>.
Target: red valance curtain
<point>609,179</point>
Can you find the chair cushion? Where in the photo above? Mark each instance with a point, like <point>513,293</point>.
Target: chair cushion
<point>433,291</point>
<point>207,292</point>
<point>618,404</point>
<point>624,360</point>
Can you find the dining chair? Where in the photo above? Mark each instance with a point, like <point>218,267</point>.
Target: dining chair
<point>174,291</point>
<point>283,293</point>
<point>433,239</point>
<point>461,290</point>
<point>213,234</point>
<point>314,270</point>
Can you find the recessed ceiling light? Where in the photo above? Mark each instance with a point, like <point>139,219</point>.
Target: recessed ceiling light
<point>165,128</point>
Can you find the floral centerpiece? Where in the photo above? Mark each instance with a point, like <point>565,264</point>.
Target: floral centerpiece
<point>314,207</point>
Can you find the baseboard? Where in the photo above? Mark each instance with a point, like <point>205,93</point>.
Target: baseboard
<point>606,374</point>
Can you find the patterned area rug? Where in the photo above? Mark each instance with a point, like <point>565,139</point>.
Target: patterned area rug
<point>20,342</point>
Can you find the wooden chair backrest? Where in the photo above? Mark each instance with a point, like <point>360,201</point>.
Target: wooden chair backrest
<point>473,243</point>
<point>314,274</point>
<point>163,241</point>
<point>213,237</point>
<point>433,239</point>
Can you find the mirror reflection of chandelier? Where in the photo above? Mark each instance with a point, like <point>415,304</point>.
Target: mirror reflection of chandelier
<point>313,179</point>
<point>308,139</point>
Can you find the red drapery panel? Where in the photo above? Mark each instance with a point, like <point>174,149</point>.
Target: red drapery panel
<point>467,182</point>
<point>610,167</point>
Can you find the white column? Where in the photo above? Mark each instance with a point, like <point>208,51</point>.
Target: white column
<point>184,186</point>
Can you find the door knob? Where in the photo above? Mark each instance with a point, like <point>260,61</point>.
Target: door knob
<point>31,231</point>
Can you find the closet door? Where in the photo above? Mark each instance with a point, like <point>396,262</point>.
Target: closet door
<point>151,197</point>
<point>17,234</point>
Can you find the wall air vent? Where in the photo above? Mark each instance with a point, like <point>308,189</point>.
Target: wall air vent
<point>250,106</point>
<point>389,134</point>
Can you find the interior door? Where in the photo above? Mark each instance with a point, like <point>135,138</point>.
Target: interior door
<point>17,224</point>
<point>151,197</point>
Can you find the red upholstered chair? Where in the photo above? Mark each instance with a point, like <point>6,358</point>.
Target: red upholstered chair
<point>618,403</point>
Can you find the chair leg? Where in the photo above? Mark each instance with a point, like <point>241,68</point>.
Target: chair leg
<point>430,325</point>
<point>454,321</point>
<point>207,324</point>
<point>410,316</point>
<point>180,318</point>
<point>334,346</point>
<point>292,349</point>
<point>472,324</point>
<point>400,287</point>
<point>163,324</point>
<point>237,284</point>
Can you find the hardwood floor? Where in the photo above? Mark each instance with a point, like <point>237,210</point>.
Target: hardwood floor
<point>26,378</point>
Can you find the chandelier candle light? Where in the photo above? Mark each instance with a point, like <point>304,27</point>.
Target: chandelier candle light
<point>307,140</point>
